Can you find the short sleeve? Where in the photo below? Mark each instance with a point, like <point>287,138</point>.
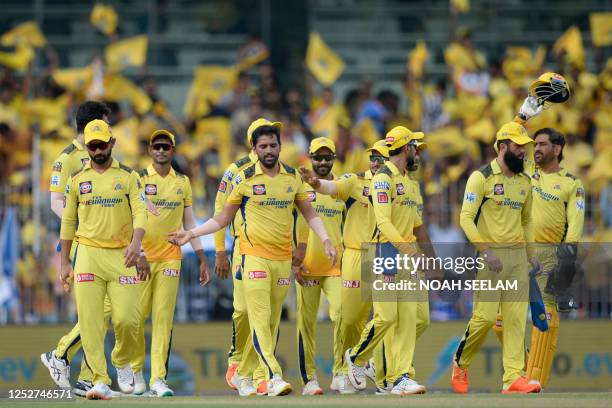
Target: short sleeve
<point>187,194</point>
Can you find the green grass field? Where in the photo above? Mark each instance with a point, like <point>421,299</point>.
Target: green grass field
<point>556,400</point>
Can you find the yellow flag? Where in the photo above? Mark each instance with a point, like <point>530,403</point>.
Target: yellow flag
<point>417,58</point>
<point>571,43</point>
<point>19,60</point>
<point>210,83</point>
<point>73,79</point>
<point>126,133</point>
<point>322,61</point>
<point>27,33</point>
<point>118,88</point>
<point>131,52</point>
<point>216,133</point>
<point>252,54</point>
<point>462,6</point>
<point>104,18</point>
<point>601,29</point>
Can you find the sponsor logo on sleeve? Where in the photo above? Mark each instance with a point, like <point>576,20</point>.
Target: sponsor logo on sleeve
<point>382,198</point>
<point>128,280</point>
<point>400,189</point>
<point>173,273</point>
<point>238,179</point>
<point>498,189</point>
<point>580,205</point>
<point>223,186</point>
<point>150,189</point>
<point>580,192</point>
<point>55,180</point>
<point>257,274</point>
<point>57,166</point>
<point>470,197</point>
<point>282,282</point>
<point>381,185</point>
<point>85,277</point>
<point>259,189</point>
<point>85,187</point>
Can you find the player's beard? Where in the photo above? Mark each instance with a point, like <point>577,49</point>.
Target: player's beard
<point>322,170</point>
<point>514,163</point>
<point>101,158</point>
<point>543,160</point>
<point>412,163</point>
<point>269,160</point>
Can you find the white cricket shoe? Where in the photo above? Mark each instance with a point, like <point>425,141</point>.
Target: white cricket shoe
<point>370,372</point>
<point>407,386</point>
<point>161,389</point>
<point>356,373</point>
<point>139,384</point>
<point>244,385</point>
<point>312,388</point>
<point>81,387</point>
<point>99,391</point>
<point>125,379</point>
<point>346,387</point>
<point>384,391</point>
<point>337,382</point>
<point>278,387</point>
<point>58,369</point>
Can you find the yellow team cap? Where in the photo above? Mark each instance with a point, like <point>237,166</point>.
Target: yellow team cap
<point>514,132</point>
<point>162,132</point>
<point>380,147</point>
<point>97,129</point>
<point>400,136</point>
<point>259,123</point>
<point>320,142</point>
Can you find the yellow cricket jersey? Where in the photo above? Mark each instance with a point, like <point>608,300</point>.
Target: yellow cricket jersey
<point>266,205</point>
<point>109,206</point>
<point>558,207</point>
<point>359,224</point>
<point>223,192</point>
<point>497,209</point>
<point>332,211</point>
<point>71,160</point>
<point>394,198</point>
<point>170,194</point>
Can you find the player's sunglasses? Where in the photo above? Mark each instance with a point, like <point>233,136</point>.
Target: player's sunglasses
<point>162,146</point>
<point>377,159</point>
<point>323,157</point>
<point>97,145</point>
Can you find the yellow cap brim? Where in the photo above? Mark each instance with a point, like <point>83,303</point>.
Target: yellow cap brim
<point>162,132</point>
<point>521,140</point>
<point>383,151</point>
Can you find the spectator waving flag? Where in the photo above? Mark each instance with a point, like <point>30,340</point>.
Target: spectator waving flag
<point>322,61</point>
<point>131,52</point>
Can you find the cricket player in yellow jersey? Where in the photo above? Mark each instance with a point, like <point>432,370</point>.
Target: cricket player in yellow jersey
<point>265,193</point>
<point>71,160</point>
<point>558,217</point>
<point>394,200</point>
<point>240,320</point>
<point>359,226</point>
<point>316,274</point>
<point>107,199</point>
<point>170,191</point>
<point>496,217</point>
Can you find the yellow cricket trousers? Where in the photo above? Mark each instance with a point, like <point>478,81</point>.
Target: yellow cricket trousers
<point>265,283</point>
<point>158,299</point>
<point>99,272</point>
<point>240,318</point>
<point>513,305</point>
<point>308,300</point>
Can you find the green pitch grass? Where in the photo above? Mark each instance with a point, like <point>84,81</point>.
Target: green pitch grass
<point>556,400</point>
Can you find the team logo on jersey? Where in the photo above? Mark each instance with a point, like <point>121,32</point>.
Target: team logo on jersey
<point>257,274</point>
<point>290,189</point>
<point>85,277</point>
<point>128,280</point>
<point>57,166</point>
<point>536,176</point>
<point>381,185</point>
<point>470,197</point>
<point>118,186</point>
<point>523,192</point>
<point>179,191</point>
<point>223,186</point>
<point>259,189</point>
<point>400,189</point>
<point>282,282</point>
<point>55,180</point>
<point>85,187</point>
<point>351,284</point>
<point>173,273</point>
<point>84,161</point>
<point>366,191</point>
<point>580,192</point>
<point>312,196</point>
<point>557,187</point>
<point>150,189</point>
<point>382,198</point>
<point>498,189</point>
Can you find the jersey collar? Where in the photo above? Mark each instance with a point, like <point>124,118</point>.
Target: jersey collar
<point>114,164</point>
<point>368,175</point>
<point>151,171</point>
<point>495,167</point>
<point>78,145</point>
<point>259,170</point>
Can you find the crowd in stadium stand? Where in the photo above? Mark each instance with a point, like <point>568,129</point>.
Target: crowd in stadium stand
<point>459,113</point>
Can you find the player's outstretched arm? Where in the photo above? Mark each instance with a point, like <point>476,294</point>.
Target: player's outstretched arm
<point>326,187</point>
<point>213,224</point>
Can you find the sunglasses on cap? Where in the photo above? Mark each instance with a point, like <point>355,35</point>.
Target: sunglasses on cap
<point>323,157</point>
<point>162,146</point>
<point>377,159</point>
<point>93,146</point>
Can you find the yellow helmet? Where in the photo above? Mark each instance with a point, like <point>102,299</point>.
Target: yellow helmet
<point>550,87</point>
